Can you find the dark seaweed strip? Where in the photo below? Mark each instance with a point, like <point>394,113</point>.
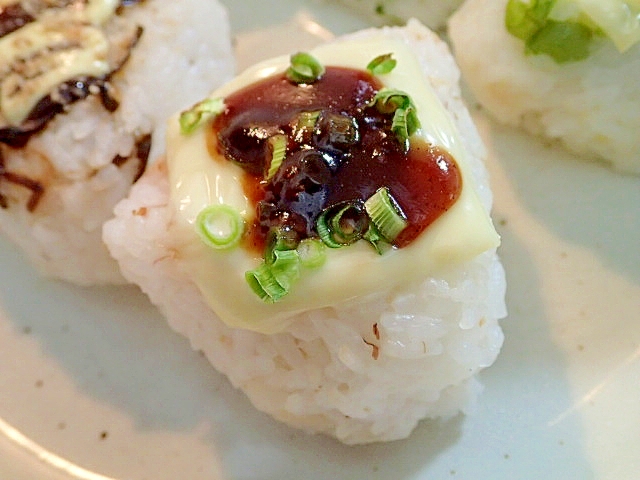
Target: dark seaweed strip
<point>67,93</point>
<point>47,108</point>
<point>13,17</point>
<point>127,3</point>
<point>143,148</point>
<point>37,189</point>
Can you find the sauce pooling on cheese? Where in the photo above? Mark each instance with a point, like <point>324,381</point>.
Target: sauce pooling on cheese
<point>217,194</point>
<point>340,149</point>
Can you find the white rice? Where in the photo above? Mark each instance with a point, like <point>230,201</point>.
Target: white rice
<point>591,106</point>
<point>184,51</point>
<point>322,374</point>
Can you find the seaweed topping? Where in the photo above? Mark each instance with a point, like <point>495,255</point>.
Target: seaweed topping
<point>69,56</point>
<point>13,17</point>
<point>53,104</point>
<point>331,161</point>
<point>143,149</point>
<point>54,53</point>
<point>37,189</point>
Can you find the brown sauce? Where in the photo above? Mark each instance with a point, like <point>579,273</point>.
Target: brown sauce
<point>13,17</point>
<point>346,156</point>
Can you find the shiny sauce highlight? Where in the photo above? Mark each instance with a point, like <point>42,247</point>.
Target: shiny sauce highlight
<point>347,155</point>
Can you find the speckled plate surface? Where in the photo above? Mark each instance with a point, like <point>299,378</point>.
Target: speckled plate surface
<point>94,385</point>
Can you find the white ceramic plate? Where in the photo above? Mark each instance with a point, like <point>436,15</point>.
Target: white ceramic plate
<point>94,385</point>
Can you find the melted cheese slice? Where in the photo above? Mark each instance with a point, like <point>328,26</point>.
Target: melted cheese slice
<point>81,50</point>
<point>618,19</point>
<point>197,180</point>
<point>61,44</point>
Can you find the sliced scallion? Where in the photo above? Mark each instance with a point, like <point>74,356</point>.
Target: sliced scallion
<point>279,239</point>
<point>263,283</point>
<point>325,233</point>
<point>278,148</point>
<point>305,125</point>
<point>342,224</point>
<point>385,213</point>
<point>342,129</point>
<point>307,120</point>
<point>388,100</point>
<point>304,68</point>
<point>200,113</point>
<point>524,19</point>
<point>382,64</point>
<point>220,226</point>
<point>286,267</point>
<point>405,117</point>
<point>404,122</point>
<point>273,281</point>
<point>375,238</point>
<point>312,253</point>
<point>564,41</point>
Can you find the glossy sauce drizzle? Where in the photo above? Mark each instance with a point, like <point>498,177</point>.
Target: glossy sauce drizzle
<point>347,155</point>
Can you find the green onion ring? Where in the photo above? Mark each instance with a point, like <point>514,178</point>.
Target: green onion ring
<point>220,226</point>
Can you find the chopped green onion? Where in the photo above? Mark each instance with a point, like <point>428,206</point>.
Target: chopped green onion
<point>388,100</point>
<point>342,129</point>
<point>312,253</point>
<point>405,117</point>
<point>524,19</point>
<point>308,119</point>
<point>385,214</point>
<point>200,113</point>
<point>382,64</point>
<point>279,239</point>
<point>564,41</point>
<point>404,121</point>
<point>273,281</point>
<point>220,226</point>
<point>305,125</point>
<point>325,234</point>
<point>286,267</point>
<point>278,147</point>
<point>264,284</point>
<point>342,224</point>
<point>304,68</point>
<point>374,237</point>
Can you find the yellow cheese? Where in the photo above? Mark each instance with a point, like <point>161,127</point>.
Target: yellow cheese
<point>197,180</point>
<point>60,45</point>
<point>18,95</point>
<point>99,11</point>
<point>618,19</point>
